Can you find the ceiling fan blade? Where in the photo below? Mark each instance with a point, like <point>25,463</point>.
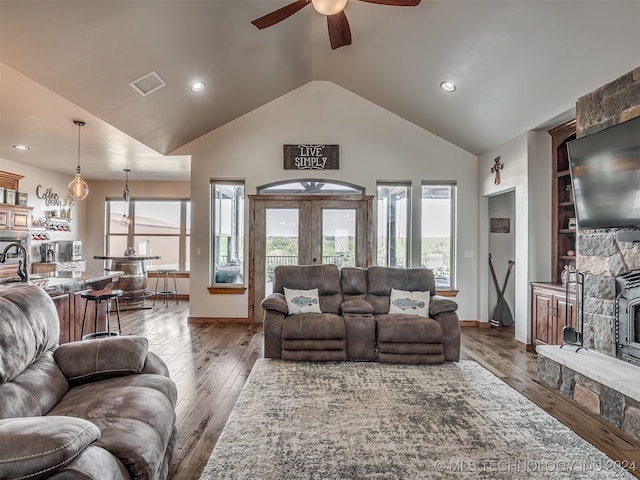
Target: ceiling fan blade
<point>280,14</point>
<point>396,3</point>
<point>339,31</point>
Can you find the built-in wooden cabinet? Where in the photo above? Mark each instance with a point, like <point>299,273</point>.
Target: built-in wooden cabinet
<point>14,217</point>
<point>563,230</point>
<point>549,302</point>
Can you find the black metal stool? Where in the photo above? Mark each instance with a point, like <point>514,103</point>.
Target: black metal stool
<point>98,296</point>
<point>166,293</point>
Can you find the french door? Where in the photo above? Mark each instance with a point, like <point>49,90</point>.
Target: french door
<point>305,230</point>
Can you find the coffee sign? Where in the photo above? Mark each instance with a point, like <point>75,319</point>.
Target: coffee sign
<point>311,157</point>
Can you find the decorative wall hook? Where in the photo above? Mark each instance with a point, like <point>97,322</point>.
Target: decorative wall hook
<point>497,166</point>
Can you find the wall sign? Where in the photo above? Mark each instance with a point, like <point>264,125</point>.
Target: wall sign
<point>311,157</point>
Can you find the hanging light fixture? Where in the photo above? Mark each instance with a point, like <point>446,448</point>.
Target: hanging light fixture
<point>329,7</point>
<point>78,188</point>
<point>126,219</point>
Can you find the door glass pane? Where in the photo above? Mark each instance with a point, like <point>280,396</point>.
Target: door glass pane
<point>282,242</point>
<point>339,237</point>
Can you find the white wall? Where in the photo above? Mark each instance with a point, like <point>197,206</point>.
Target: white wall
<point>375,145</point>
<point>527,171</point>
<point>58,184</point>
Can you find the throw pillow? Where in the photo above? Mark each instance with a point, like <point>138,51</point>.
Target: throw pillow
<point>302,301</point>
<point>409,303</point>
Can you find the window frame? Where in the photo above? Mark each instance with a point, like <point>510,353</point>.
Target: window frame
<point>240,221</point>
<point>130,234</point>
<point>453,185</point>
<point>408,241</point>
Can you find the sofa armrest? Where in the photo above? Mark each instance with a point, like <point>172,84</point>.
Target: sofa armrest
<point>440,304</point>
<point>276,302</point>
<point>37,447</point>
<point>92,360</point>
<point>357,306</point>
<point>154,364</point>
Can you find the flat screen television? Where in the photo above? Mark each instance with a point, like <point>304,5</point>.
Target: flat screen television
<point>605,174</point>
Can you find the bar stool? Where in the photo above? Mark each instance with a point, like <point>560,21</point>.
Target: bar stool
<point>98,296</point>
<point>165,272</point>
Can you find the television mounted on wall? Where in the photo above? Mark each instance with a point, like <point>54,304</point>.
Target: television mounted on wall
<point>605,174</point>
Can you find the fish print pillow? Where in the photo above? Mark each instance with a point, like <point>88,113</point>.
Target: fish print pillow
<point>409,303</point>
<point>302,301</point>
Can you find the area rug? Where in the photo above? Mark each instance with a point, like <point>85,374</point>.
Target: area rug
<point>354,420</point>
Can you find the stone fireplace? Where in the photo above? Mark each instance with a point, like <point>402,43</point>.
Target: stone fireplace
<point>598,377</point>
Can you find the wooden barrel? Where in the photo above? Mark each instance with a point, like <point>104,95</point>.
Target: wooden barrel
<point>133,282</point>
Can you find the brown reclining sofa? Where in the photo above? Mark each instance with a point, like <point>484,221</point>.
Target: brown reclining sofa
<point>354,320</point>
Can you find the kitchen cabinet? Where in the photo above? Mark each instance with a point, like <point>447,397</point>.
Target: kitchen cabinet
<point>16,218</point>
<point>549,309</point>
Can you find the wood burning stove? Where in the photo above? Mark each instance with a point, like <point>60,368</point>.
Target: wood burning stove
<point>628,317</point>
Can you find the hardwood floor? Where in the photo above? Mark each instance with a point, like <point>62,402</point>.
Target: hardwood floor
<point>210,363</point>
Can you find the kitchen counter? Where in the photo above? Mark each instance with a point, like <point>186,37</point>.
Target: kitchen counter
<point>66,289</point>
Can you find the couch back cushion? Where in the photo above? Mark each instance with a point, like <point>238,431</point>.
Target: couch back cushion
<point>354,283</point>
<point>380,281</point>
<point>326,278</point>
<point>29,326</point>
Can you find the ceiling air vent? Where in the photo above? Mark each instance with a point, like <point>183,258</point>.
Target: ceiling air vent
<point>148,83</point>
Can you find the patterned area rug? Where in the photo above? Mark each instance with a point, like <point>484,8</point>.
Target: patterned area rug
<point>354,420</point>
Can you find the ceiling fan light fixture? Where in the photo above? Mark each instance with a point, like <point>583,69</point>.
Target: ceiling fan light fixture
<point>78,188</point>
<point>448,87</point>
<point>21,147</point>
<point>329,7</point>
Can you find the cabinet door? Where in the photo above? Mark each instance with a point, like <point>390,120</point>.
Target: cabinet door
<point>4,218</point>
<point>20,220</point>
<point>561,305</point>
<point>542,317</point>
<point>63,306</point>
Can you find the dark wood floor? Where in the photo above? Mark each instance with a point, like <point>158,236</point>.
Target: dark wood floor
<point>210,364</point>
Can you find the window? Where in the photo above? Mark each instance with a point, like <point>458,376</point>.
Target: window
<point>393,225</point>
<point>158,227</point>
<point>227,232</point>
<point>438,232</point>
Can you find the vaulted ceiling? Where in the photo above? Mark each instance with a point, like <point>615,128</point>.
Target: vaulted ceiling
<point>518,65</point>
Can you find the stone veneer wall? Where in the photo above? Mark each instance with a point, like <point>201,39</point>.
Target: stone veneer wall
<point>600,257</point>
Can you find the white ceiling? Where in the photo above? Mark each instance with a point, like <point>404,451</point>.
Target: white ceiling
<point>519,65</point>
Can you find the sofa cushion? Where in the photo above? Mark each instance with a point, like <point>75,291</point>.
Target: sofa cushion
<point>37,447</point>
<point>357,306</point>
<point>313,326</point>
<point>325,277</point>
<point>91,360</point>
<point>132,413</point>
<point>380,281</point>
<point>35,391</point>
<point>302,301</point>
<point>409,303</point>
<point>399,328</point>
<point>29,327</point>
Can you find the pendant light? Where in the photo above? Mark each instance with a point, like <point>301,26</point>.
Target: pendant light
<point>78,188</point>
<point>126,219</point>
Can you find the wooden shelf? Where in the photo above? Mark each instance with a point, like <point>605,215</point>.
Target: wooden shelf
<point>563,173</point>
<point>567,231</point>
<point>566,204</point>
<point>568,257</point>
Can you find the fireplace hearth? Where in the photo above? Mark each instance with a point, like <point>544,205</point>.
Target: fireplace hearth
<point>628,317</point>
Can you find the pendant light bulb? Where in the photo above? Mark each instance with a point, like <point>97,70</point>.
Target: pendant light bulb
<point>329,7</point>
<point>78,188</point>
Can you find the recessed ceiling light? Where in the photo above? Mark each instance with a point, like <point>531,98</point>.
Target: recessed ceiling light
<point>21,147</point>
<point>198,87</point>
<point>448,86</point>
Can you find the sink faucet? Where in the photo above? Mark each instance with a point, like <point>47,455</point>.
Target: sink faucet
<point>23,271</point>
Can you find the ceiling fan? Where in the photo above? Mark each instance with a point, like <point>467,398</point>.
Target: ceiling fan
<point>339,31</point>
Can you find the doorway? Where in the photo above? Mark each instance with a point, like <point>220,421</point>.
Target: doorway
<point>502,247</point>
<point>305,230</point>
